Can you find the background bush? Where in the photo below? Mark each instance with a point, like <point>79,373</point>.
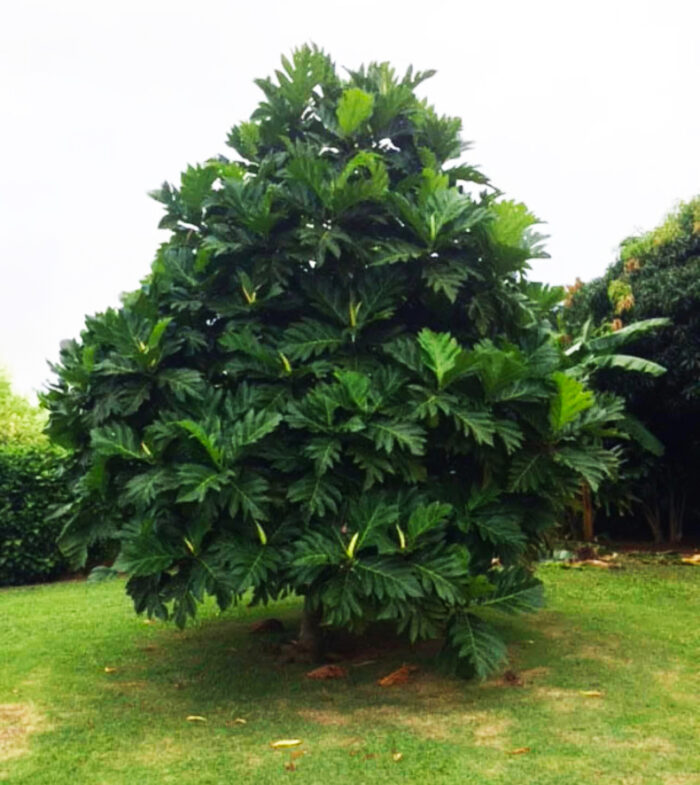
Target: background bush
<point>30,486</point>
<point>30,483</point>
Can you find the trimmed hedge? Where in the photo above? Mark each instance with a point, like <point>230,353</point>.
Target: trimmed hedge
<point>30,485</point>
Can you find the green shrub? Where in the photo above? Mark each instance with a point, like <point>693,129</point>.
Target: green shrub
<point>30,484</point>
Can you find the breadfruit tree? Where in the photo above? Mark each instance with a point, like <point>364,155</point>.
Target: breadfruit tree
<point>335,381</point>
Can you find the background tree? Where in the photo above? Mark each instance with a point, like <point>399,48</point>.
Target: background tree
<point>657,275</point>
<point>20,422</point>
<point>335,380</point>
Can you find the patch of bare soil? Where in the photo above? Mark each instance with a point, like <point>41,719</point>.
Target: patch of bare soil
<point>17,722</point>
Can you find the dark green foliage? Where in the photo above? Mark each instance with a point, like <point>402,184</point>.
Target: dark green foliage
<point>657,275</point>
<point>335,381</point>
<point>30,484</point>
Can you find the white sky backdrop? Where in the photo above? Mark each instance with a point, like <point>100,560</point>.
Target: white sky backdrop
<point>589,112</point>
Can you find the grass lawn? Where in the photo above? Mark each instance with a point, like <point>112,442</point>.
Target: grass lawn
<point>631,634</point>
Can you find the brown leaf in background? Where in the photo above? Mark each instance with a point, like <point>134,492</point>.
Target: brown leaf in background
<point>328,672</point>
<point>512,679</point>
<point>399,676</point>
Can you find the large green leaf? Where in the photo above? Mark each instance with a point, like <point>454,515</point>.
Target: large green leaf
<point>119,440</point>
<point>627,362</point>
<point>426,518</point>
<point>614,340</point>
<point>317,494</point>
<point>255,425</point>
<point>196,481</point>
<point>209,441</point>
<point>439,351</point>
<point>478,643</point>
<point>354,108</point>
<point>571,399</point>
<point>388,434</point>
<point>310,338</point>
<point>641,434</point>
<point>516,591</point>
<point>144,552</point>
<point>593,463</point>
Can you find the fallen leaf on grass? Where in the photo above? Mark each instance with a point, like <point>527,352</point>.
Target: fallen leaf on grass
<point>195,718</point>
<point>694,559</point>
<point>110,670</point>
<point>592,693</point>
<point>399,676</point>
<point>512,679</point>
<point>519,751</point>
<point>603,565</point>
<point>328,672</point>
<point>397,756</point>
<point>283,744</point>
<point>289,766</point>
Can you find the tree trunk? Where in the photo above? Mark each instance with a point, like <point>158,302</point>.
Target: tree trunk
<point>653,518</point>
<point>675,517</point>
<point>310,632</point>
<point>587,512</point>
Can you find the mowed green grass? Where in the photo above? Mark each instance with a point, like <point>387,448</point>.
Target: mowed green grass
<point>631,634</point>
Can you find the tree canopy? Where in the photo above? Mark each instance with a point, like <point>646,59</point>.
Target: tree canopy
<point>336,379</point>
<point>656,276</point>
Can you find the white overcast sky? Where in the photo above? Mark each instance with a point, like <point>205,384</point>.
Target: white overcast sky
<point>587,111</point>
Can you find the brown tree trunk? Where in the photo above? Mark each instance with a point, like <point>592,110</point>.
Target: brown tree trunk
<point>310,632</point>
<point>587,512</point>
<point>653,518</point>
<point>676,513</point>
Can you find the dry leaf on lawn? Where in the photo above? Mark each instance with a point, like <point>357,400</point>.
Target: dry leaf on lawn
<point>694,559</point>
<point>282,744</point>
<point>512,679</point>
<point>328,672</point>
<point>397,756</point>
<point>592,693</point>
<point>196,718</point>
<point>603,565</point>
<point>110,670</point>
<point>399,676</point>
<point>519,751</point>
